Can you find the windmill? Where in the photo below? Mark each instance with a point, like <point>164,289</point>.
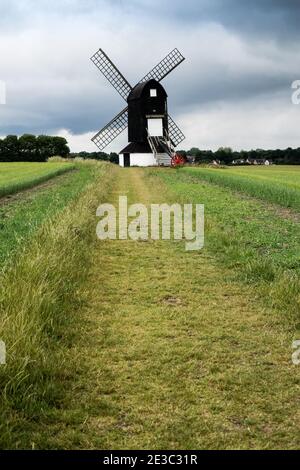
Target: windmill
<point>152,133</point>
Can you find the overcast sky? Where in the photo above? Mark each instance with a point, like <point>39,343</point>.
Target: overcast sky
<point>233,89</point>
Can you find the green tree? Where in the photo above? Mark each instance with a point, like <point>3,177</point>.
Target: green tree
<point>44,147</point>
<point>114,158</point>
<point>10,148</point>
<point>60,147</point>
<point>27,148</point>
<point>224,154</point>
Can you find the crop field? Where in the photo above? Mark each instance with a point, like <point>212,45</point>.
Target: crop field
<point>22,213</point>
<point>278,184</point>
<point>139,344</point>
<point>23,175</point>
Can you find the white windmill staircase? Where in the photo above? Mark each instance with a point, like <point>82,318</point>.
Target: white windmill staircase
<point>156,143</point>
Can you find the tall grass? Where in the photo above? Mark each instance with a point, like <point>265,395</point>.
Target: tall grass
<point>18,176</point>
<point>24,213</point>
<point>37,301</point>
<point>268,189</point>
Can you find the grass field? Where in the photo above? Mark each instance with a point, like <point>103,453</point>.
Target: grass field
<point>131,344</point>
<point>17,176</point>
<point>278,184</point>
<point>23,213</point>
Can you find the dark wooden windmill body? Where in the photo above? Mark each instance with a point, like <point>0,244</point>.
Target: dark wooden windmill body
<point>152,133</point>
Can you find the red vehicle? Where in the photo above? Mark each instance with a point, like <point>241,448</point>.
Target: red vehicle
<point>177,160</point>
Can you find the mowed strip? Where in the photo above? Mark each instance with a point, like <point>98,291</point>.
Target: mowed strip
<point>173,352</point>
<point>17,176</point>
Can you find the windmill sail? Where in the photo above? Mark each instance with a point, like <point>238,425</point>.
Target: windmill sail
<point>175,133</point>
<point>111,73</point>
<point>119,123</point>
<point>165,66</point>
<point>106,135</point>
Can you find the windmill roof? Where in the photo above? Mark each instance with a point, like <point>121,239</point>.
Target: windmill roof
<point>137,91</point>
<point>137,147</point>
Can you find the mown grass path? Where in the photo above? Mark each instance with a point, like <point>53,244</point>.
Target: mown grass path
<point>172,353</point>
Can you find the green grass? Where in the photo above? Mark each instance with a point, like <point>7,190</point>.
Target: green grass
<point>21,217</point>
<point>38,301</point>
<point>277,184</point>
<point>145,345</point>
<point>248,236</point>
<point>17,176</point>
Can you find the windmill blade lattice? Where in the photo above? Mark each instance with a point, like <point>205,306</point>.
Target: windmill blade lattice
<point>165,66</point>
<point>111,73</point>
<point>117,125</point>
<point>175,134</point>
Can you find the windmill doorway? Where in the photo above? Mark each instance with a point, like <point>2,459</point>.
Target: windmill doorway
<point>126,159</point>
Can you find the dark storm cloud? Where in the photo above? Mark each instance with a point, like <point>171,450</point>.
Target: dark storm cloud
<point>258,17</point>
<point>60,116</point>
<point>237,51</point>
<point>278,18</point>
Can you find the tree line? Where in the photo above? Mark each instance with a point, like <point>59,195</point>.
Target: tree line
<point>226,155</point>
<point>33,148</point>
<point>29,148</point>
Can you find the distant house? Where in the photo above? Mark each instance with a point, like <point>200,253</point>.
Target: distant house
<point>253,161</point>
<point>263,161</point>
<point>190,159</point>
